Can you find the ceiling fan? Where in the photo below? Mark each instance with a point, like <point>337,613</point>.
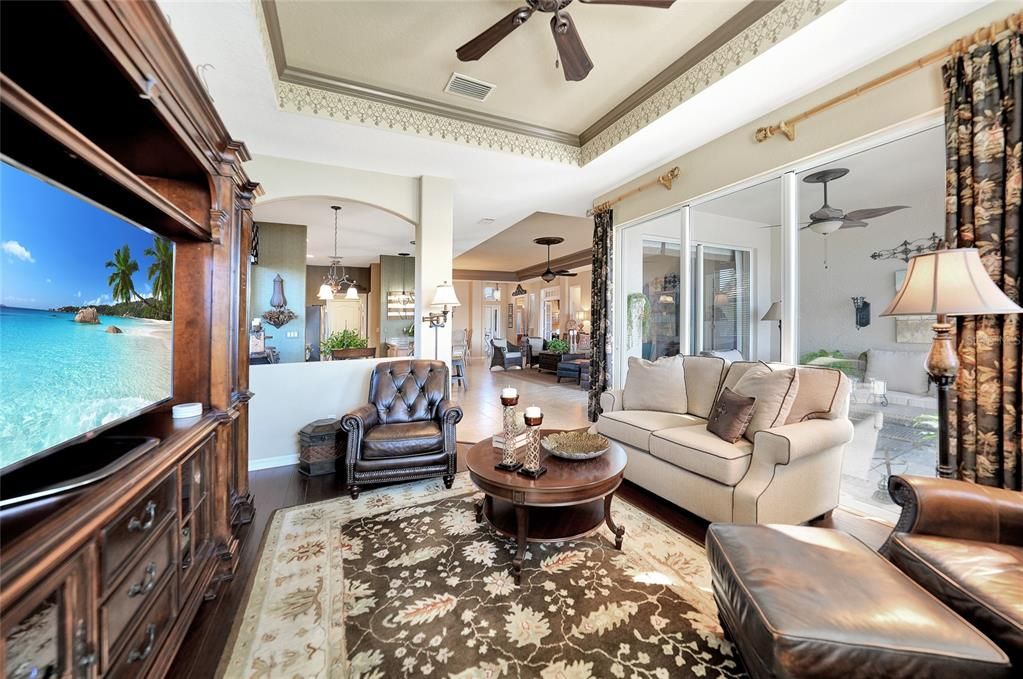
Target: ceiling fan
<point>827,219</point>
<point>575,62</point>
<point>549,275</point>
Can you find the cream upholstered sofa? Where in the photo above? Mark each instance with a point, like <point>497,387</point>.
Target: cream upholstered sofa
<point>787,474</point>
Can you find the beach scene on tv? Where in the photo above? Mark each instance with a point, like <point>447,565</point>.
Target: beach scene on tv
<point>85,316</point>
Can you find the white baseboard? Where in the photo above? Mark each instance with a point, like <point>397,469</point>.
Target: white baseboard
<point>269,462</point>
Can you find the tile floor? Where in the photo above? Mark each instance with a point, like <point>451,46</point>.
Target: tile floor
<point>563,405</point>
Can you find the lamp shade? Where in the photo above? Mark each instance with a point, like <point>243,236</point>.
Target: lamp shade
<point>445,296</point>
<point>826,226</point>
<point>949,282</point>
<point>325,292</point>
<point>773,313</point>
<point>352,293</point>
<point>720,299</point>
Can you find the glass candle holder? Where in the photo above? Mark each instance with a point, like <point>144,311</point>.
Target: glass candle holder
<point>508,462</point>
<point>532,467</point>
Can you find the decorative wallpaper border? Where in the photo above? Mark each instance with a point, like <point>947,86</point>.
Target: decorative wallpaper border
<point>769,30</point>
<point>773,27</point>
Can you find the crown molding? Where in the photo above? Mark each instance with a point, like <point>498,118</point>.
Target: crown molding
<point>749,32</point>
<point>482,275</point>
<point>741,21</point>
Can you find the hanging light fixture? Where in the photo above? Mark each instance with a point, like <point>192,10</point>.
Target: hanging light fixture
<point>332,284</point>
<point>406,298</point>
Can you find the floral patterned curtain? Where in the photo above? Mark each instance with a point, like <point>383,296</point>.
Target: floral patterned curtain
<point>983,108</point>
<point>602,294</point>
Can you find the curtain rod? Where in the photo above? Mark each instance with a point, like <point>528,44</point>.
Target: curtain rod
<point>664,180</point>
<point>961,46</point>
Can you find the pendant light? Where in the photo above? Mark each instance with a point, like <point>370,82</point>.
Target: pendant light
<point>332,284</point>
<point>407,298</point>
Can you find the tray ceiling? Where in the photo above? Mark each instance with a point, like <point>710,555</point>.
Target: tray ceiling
<point>411,51</point>
<point>513,249</point>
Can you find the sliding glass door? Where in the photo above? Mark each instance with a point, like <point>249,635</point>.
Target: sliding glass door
<point>649,291</point>
<point>722,317</point>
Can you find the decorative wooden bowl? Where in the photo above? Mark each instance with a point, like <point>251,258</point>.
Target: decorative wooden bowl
<point>575,445</point>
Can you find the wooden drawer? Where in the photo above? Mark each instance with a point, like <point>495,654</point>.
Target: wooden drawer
<point>145,641</point>
<point>141,583</point>
<point>125,534</point>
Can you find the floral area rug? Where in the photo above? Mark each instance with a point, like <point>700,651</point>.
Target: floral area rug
<point>404,583</point>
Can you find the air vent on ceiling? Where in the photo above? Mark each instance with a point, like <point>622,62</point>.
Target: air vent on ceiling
<point>464,86</point>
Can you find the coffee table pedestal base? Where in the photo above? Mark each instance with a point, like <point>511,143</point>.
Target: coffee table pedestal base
<point>528,524</point>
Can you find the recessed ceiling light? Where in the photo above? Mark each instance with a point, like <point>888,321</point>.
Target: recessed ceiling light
<point>487,220</point>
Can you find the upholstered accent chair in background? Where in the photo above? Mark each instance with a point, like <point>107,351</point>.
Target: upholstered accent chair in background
<point>505,355</point>
<point>407,430</point>
<point>531,347</point>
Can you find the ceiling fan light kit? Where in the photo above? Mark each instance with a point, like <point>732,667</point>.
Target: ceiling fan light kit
<point>575,62</point>
<point>548,275</point>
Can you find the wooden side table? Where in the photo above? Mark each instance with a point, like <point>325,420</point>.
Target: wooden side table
<point>570,501</point>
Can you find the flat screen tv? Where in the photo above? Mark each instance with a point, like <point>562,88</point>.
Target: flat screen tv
<point>86,306</point>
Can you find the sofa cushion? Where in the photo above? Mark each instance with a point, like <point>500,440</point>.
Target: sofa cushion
<point>703,377</point>
<point>731,416</point>
<point>402,439</point>
<point>701,452</point>
<point>902,370</point>
<point>815,602</point>
<point>818,394</point>
<point>634,427</point>
<point>656,385</point>
<point>775,391</point>
<point>981,581</point>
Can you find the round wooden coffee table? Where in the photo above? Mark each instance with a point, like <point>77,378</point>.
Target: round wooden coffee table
<point>571,500</point>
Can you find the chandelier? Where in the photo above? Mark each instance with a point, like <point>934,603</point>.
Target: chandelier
<point>332,284</point>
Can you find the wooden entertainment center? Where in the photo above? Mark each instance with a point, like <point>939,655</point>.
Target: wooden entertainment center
<point>105,581</point>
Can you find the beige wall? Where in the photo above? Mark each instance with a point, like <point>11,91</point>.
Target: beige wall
<point>736,156</point>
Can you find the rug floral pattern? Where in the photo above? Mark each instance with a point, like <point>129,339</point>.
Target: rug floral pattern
<point>404,583</point>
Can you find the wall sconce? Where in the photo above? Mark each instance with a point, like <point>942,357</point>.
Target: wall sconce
<point>862,307</point>
<point>445,297</point>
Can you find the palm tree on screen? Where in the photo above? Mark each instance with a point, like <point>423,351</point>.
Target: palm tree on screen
<point>161,271</point>
<point>121,285</point>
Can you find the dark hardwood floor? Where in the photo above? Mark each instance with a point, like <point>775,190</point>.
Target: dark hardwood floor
<point>285,487</point>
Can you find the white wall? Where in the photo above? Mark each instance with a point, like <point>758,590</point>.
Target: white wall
<point>434,253</point>
<point>286,178</point>
<point>288,396</point>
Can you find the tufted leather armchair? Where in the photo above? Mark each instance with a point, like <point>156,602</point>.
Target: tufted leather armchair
<point>407,430</point>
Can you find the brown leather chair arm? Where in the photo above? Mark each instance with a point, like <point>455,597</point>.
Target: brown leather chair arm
<point>448,413</point>
<point>957,509</point>
<point>355,424</point>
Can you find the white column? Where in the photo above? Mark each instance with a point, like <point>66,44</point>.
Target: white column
<point>790,272</point>
<point>685,290</point>
<point>434,247</point>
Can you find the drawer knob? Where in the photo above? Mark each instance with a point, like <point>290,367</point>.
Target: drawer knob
<point>147,584</point>
<point>138,655</point>
<point>142,525</point>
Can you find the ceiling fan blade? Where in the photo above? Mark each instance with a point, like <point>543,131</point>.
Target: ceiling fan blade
<point>872,212</point>
<point>775,226</point>
<point>565,272</point>
<point>662,4</point>
<point>852,223</point>
<point>485,41</point>
<point>575,62</point>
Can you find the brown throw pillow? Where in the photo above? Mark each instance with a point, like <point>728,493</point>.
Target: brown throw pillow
<point>731,415</point>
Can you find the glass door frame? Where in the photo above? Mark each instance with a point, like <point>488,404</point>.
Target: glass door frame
<point>787,173</point>
<point>699,320</point>
<point>620,269</point>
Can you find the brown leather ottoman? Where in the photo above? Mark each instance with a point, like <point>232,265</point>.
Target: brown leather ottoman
<point>813,602</point>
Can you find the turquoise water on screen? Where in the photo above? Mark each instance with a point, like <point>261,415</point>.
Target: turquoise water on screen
<point>60,379</point>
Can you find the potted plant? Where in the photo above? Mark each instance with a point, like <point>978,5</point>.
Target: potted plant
<point>347,344</point>
<point>557,346</point>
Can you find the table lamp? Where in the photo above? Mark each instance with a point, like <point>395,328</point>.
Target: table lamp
<point>774,314</point>
<point>943,283</point>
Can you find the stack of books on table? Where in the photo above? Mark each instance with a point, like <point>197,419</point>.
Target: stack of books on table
<point>519,439</point>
